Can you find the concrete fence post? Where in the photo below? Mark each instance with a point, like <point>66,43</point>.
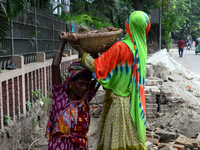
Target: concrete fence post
<point>38,79</point>
<point>1,106</point>
<point>17,90</point>
<point>7,98</point>
<point>40,57</point>
<point>31,85</point>
<point>68,52</point>
<point>18,60</point>
<point>13,99</point>
<point>23,92</point>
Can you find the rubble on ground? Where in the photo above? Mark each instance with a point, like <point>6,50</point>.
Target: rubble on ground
<point>172,105</point>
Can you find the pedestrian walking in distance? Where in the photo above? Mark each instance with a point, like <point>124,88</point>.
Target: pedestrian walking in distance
<point>193,45</point>
<point>180,47</point>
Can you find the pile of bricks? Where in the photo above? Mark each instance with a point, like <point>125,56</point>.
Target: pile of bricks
<point>158,98</point>
<point>163,140</point>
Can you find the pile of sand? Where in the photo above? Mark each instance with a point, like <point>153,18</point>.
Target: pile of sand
<point>170,63</point>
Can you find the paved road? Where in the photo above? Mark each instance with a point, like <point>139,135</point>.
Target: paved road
<point>189,60</point>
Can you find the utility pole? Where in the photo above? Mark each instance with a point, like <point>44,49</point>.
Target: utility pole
<point>160,22</point>
<point>36,42</point>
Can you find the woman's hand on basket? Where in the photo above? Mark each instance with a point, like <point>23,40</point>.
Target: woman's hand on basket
<point>73,40</point>
<point>109,28</point>
<point>63,40</point>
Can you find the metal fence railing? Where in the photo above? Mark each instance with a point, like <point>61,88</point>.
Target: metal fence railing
<point>38,32</point>
<point>5,61</point>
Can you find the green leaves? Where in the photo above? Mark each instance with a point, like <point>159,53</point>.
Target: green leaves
<point>5,24</point>
<point>28,105</point>
<point>102,13</point>
<point>174,16</point>
<point>45,5</point>
<point>58,6</point>
<point>15,7</point>
<point>193,20</point>
<point>7,119</point>
<point>84,19</point>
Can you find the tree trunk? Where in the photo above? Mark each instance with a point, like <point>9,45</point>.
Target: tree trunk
<point>86,6</point>
<point>182,32</point>
<point>111,16</point>
<point>138,4</point>
<point>119,22</point>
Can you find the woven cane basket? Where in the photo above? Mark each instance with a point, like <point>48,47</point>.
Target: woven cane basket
<point>98,42</point>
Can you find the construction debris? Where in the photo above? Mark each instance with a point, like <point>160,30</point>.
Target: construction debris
<point>172,105</point>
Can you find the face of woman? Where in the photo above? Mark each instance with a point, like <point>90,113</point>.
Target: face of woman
<point>80,87</point>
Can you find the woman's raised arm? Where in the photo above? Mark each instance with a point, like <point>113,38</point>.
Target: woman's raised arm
<point>56,76</point>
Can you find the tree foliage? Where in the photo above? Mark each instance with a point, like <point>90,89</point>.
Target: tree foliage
<point>15,7</point>
<point>5,23</point>
<point>174,16</point>
<point>193,20</point>
<point>8,13</point>
<point>178,16</point>
<point>104,12</point>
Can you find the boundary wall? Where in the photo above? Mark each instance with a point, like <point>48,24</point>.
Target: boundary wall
<point>17,86</point>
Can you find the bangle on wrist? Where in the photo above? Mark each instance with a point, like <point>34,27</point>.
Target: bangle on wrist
<point>59,51</point>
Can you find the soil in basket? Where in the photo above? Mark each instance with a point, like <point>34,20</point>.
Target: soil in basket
<point>82,30</point>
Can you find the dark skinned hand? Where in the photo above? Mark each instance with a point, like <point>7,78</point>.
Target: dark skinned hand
<point>61,35</point>
<point>94,55</point>
<point>74,42</point>
<point>72,39</point>
<point>109,28</point>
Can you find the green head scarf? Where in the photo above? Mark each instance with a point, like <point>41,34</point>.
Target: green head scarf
<point>137,27</point>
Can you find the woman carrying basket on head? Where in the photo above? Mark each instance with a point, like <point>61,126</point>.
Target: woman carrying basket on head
<point>69,117</point>
<point>121,70</point>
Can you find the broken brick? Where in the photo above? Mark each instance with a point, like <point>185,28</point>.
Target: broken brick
<point>161,145</point>
<point>155,92</point>
<point>179,147</point>
<point>165,148</point>
<point>189,87</point>
<point>188,142</point>
<point>154,106</point>
<point>149,135</point>
<point>149,145</point>
<point>166,136</point>
<point>150,83</point>
<point>152,140</point>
